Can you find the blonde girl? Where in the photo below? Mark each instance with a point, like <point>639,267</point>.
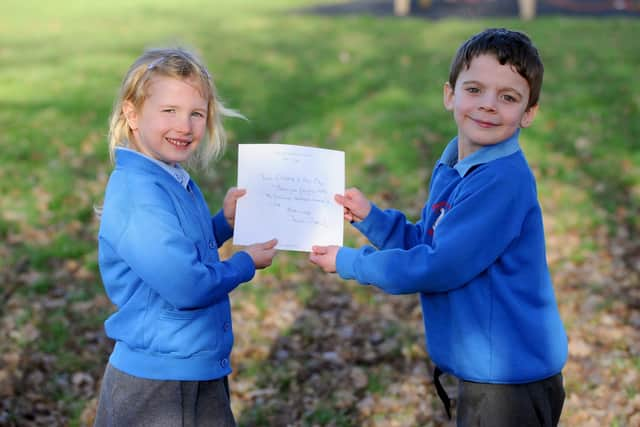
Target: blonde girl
<point>158,251</point>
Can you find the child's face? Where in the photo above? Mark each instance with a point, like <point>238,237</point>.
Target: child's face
<point>171,122</point>
<point>489,103</point>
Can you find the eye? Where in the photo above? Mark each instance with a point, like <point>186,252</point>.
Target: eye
<point>198,114</point>
<point>509,98</point>
<point>472,89</point>
<point>169,110</point>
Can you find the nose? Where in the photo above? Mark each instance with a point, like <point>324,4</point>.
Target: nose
<point>488,102</point>
<point>183,124</point>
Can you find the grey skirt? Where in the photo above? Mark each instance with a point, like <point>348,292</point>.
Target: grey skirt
<point>130,401</point>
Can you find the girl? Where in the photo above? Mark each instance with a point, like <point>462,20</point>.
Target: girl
<point>158,251</point>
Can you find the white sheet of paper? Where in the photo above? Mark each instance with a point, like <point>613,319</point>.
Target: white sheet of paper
<point>290,196</point>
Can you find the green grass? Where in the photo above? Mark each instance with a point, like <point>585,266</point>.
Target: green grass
<point>369,86</point>
<point>327,416</point>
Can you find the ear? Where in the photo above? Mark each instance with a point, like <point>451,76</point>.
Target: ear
<point>448,96</point>
<point>528,116</point>
<point>130,114</point>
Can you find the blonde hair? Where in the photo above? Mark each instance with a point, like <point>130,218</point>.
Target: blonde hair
<point>180,64</point>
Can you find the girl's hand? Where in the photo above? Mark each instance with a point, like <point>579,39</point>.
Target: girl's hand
<point>262,253</point>
<point>230,202</point>
<point>325,257</point>
<point>356,205</point>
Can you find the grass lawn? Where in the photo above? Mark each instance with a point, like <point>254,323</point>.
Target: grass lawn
<point>310,349</point>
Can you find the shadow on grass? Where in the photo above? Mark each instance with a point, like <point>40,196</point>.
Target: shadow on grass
<point>351,356</point>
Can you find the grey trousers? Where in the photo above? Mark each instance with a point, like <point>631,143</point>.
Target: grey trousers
<point>128,401</point>
<point>537,404</point>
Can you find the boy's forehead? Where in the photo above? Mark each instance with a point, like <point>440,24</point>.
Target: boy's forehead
<point>486,67</point>
<point>488,59</point>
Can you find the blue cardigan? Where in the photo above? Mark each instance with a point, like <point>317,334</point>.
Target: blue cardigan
<point>477,258</point>
<point>158,256</point>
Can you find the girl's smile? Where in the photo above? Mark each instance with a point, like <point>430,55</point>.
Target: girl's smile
<point>179,143</point>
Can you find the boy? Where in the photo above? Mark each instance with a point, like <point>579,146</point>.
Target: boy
<point>477,255</point>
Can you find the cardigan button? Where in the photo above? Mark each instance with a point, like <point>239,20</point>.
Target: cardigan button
<point>226,326</point>
<point>224,363</point>
<point>211,245</point>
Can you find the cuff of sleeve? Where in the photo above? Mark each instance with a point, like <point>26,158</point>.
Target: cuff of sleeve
<point>375,215</point>
<point>345,261</point>
<point>221,228</point>
<point>244,264</point>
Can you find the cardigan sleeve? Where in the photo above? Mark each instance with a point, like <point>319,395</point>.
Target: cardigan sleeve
<point>157,250</point>
<point>222,231</point>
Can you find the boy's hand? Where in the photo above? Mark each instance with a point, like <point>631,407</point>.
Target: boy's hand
<point>262,253</point>
<point>325,257</point>
<point>230,202</point>
<point>356,205</point>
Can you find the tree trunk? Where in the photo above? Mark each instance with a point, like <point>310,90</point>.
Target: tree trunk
<point>401,7</point>
<point>527,9</point>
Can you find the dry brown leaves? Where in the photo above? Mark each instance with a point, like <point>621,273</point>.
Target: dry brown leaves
<point>348,355</point>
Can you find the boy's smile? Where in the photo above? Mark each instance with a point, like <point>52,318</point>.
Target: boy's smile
<point>171,121</point>
<point>488,103</point>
